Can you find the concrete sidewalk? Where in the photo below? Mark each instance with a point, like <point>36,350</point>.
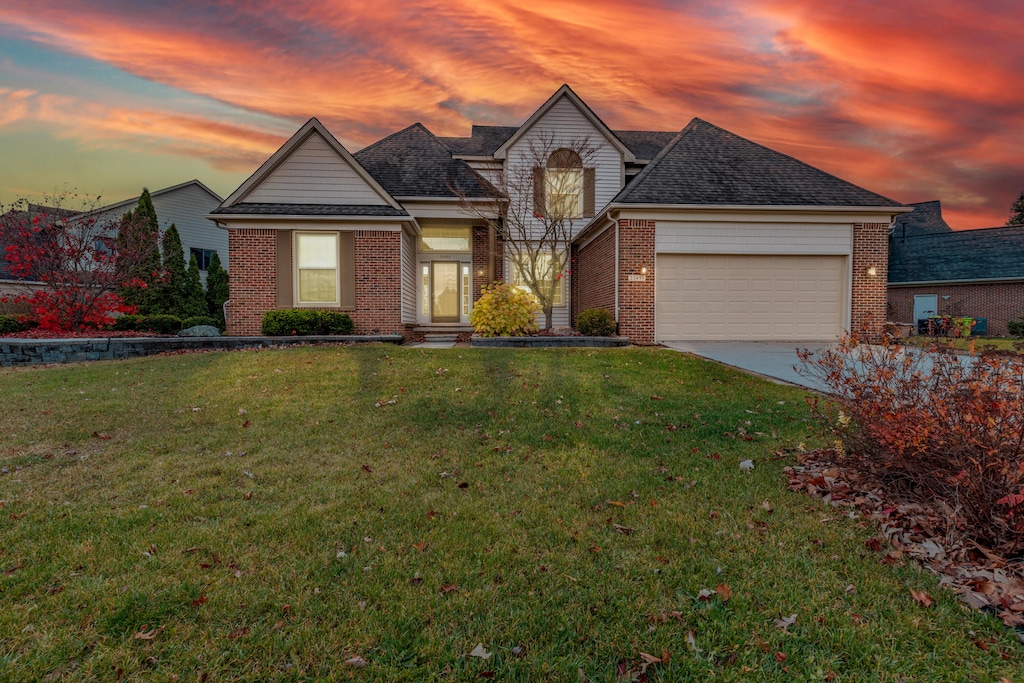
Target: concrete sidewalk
<point>773,360</point>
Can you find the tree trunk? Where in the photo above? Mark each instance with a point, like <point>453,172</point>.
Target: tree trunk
<point>547,317</point>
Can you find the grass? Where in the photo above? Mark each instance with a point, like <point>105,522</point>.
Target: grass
<point>178,517</point>
<point>965,343</point>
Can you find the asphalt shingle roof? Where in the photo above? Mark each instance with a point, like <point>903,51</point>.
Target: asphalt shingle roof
<point>414,163</point>
<point>483,142</point>
<point>985,254</point>
<point>706,164</point>
<point>645,144</point>
<point>276,209</point>
<point>926,218</point>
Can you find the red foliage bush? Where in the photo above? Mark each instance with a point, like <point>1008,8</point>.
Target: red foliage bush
<point>940,425</point>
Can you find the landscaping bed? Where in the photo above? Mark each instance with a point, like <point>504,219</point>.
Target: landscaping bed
<point>382,513</point>
<point>547,340</point>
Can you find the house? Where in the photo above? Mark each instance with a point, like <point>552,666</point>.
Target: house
<point>185,205</point>
<point>934,270</point>
<point>696,234</point>
<point>12,285</point>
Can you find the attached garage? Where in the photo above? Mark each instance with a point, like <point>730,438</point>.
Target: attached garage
<point>750,297</point>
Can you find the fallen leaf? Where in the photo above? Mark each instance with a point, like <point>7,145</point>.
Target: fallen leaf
<point>367,468</point>
<point>356,661</point>
<point>445,590</point>
<point>416,580</point>
<point>650,659</point>
<point>921,597</point>
<point>705,594</point>
<point>248,495</point>
<point>238,633</point>
<point>780,656</point>
<point>655,397</point>
<point>98,435</point>
<point>421,545</point>
<point>747,465</point>
<point>723,591</point>
<point>619,529</point>
<point>485,674</point>
<point>464,485</point>
<point>785,622</point>
<point>199,601</point>
<point>480,652</point>
<point>517,651</point>
<point>148,635</point>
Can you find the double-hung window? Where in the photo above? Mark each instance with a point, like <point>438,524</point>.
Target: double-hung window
<point>545,274</point>
<point>316,265</point>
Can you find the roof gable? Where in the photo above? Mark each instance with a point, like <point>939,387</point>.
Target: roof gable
<point>312,167</point>
<point>708,165</point>
<point>414,163</point>
<point>565,93</point>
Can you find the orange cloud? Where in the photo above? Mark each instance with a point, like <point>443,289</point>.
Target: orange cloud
<point>912,99</point>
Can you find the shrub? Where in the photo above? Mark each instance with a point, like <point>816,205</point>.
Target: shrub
<point>504,310</point>
<point>1016,328</point>
<point>199,320</point>
<point>10,324</point>
<point>302,322</point>
<point>938,425</point>
<point>596,322</point>
<point>159,324</point>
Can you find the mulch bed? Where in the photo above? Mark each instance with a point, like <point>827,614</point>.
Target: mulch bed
<point>917,531</point>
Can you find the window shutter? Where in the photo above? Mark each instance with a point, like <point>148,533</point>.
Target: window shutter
<point>285,273</point>
<point>538,191</point>
<point>589,181</point>
<point>347,269</point>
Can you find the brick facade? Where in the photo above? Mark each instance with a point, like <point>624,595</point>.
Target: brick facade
<point>378,281</point>
<point>868,293</point>
<point>998,302</point>
<point>253,282</point>
<point>594,265</point>
<point>480,260</point>
<point>636,299</point>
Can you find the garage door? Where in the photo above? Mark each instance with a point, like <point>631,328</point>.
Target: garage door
<point>740,297</point>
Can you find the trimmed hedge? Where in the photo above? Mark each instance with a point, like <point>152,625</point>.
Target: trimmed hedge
<point>12,323</point>
<point>158,324</point>
<point>305,321</point>
<point>1015,328</point>
<point>199,320</point>
<point>595,322</point>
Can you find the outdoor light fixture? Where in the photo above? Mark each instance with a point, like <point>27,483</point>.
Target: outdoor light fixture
<point>643,269</point>
<point>871,271</point>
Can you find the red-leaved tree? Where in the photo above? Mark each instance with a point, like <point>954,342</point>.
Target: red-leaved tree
<point>74,256</point>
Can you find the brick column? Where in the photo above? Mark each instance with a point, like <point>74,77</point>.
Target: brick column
<point>253,281</point>
<point>636,299</point>
<point>868,294</point>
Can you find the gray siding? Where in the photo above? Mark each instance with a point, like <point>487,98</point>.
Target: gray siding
<point>408,278</point>
<point>315,174</point>
<point>185,207</point>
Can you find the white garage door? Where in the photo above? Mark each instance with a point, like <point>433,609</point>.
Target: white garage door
<point>741,297</point>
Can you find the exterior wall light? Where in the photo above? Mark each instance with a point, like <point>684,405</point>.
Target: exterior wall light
<point>643,269</point>
<point>871,271</point>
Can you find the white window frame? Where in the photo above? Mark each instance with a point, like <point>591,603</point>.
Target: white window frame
<point>296,255</point>
<point>517,279</point>
<point>561,187</point>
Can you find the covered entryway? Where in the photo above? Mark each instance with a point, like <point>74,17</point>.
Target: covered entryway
<point>750,297</point>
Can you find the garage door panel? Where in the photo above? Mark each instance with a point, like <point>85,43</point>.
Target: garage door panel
<point>714,296</point>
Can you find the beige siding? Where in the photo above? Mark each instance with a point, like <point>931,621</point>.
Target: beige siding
<point>710,237</point>
<point>409,294</point>
<point>745,297</point>
<point>315,174</point>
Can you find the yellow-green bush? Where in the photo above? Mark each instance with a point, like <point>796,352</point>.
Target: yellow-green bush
<point>504,310</point>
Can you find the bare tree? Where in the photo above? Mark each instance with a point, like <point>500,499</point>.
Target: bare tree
<point>535,203</point>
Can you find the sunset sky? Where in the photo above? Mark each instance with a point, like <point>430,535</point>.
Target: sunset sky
<point>914,99</point>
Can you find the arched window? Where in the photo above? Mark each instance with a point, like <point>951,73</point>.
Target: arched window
<point>563,184</point>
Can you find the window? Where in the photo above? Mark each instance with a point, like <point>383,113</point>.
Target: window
<point>316,262</point>
<point>445,239</point>
<point>563,184</point>
<point>203,257</point>
<point>543,268</point>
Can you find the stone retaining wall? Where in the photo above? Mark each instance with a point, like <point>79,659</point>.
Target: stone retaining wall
<point>32,351</point>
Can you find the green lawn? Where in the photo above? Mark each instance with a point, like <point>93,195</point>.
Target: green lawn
<point>965,343</point>
<point>256,515</point>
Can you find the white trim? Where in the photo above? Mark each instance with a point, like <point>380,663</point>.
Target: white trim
<point>566,92</point>
<point>295,272</point>
<point>597,233</point>
<point>311,127</point>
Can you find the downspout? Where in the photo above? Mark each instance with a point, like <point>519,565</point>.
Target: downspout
<point>609,217</point>
<point>491,246</point>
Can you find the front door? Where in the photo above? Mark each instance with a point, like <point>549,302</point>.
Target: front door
<point>444,292</point>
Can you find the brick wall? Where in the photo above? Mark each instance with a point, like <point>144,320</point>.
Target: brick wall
<point>998,302</point>
<point>480,257</point>
<point>253,282</point>
<point>636,299</point>
<point>378,281</point>
<point>869,295</point>
<point>594,266</point>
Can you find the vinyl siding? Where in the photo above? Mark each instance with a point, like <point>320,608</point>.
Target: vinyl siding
<point>408,278</point>
<point>752,238</point>
<point>315,174</point>
<point>185,208</point>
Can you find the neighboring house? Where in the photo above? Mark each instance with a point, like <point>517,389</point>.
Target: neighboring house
<point>699,234</point>
<point>10,284</point>
<point>186,206</point>
<point>936,271</point>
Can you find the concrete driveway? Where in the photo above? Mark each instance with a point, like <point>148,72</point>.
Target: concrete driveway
<point>773,360</point>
